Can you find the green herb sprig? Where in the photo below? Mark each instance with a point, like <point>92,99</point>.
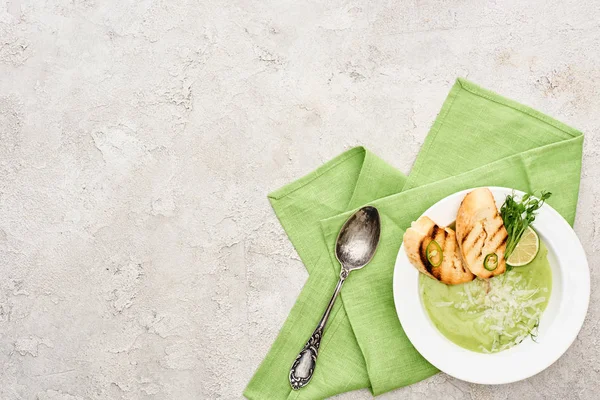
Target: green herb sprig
<point>518,215</point>
<point>535,331</point>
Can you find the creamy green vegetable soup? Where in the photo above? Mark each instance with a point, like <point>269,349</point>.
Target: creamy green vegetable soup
<point>491,315</point>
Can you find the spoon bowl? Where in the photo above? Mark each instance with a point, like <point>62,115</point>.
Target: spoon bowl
<point>358,239</point>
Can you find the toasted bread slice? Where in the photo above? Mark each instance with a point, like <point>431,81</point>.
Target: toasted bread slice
<point>480,231</point>
<point>416,239</point>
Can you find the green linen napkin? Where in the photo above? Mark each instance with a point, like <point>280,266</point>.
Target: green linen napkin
<point>478,139</point>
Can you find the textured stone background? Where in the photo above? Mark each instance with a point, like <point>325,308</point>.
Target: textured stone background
<point>139,257</point>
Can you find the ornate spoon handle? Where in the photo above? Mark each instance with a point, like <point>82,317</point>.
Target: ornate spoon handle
<point>304,366</point>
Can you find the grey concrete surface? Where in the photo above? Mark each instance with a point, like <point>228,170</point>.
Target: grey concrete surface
<point>139,257</point>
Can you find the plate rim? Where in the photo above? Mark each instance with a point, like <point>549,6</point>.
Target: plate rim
<point>582,301</point>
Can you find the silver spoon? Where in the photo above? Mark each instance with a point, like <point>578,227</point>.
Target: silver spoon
<point>355,247</point>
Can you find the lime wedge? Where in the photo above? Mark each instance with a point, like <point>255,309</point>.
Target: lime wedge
<point>526,249</point>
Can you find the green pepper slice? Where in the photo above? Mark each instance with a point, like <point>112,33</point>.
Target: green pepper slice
<point>434,253</point>
<point>490,262</point>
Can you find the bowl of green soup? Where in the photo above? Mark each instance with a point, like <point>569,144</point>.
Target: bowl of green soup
<point>505,328</point>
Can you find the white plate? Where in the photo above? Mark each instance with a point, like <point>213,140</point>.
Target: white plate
<point>559,325</point>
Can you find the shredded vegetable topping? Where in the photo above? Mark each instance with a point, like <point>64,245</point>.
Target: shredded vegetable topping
<point>506,308</point>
